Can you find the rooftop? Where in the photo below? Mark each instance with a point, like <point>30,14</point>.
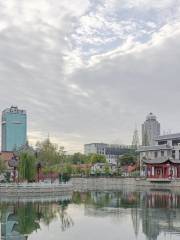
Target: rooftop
<point>168,137</point>
<point>153,148</point>
<point>108,145</point>
<point>14,109</point>
<point>160,161</point>
<point>151,116</point>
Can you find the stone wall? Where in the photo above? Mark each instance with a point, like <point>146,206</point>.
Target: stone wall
<point>109,184</point>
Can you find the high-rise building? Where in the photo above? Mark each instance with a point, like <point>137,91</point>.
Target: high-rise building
<point>14,129</point>
<point>150,130</point>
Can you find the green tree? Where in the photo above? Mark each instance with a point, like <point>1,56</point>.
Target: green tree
<point>27,219</point>
<point>106,169</point>
<point>127,159</point>
<point>49,153</point>
<point>26,167</point>
<point>97,158</point>
<point>3,167</point>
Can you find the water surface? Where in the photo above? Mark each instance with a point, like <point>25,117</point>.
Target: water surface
<point>146,214</point>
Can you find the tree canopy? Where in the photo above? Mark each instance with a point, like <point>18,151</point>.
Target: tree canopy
<point>127,159</point>
<point>49,153</point>
<point>2,166</point>
<point>26,167</point>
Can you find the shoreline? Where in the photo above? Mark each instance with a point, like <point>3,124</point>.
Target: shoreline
<point>109,184</point>
<point>49,192</point>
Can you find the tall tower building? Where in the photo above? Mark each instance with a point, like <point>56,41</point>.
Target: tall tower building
<point>150,130</point>
<point>14,128</point>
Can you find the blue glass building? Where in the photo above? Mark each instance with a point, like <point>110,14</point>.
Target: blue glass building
<point>14,129</point>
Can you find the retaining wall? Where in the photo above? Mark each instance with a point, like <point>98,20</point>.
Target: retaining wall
<point>109,184</point>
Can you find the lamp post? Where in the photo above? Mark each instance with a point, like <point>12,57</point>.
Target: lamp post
<point>38,167</point>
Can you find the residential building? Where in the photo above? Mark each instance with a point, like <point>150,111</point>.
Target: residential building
<point>14,128</point>
<point>150,130</point>
<point>162,159</point>
<point>111,151</point>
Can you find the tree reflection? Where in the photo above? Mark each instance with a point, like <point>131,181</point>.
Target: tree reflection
<point>156,211</point>
<point>66,220</point>
<point>27,219</point>
<point>19,220</point>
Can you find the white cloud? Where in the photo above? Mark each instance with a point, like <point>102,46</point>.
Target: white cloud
<point>88,70</point>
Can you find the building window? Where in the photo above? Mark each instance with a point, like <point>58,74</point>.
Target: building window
<point>173,154</point>
<point>162,153</point>
<point>155,154</point>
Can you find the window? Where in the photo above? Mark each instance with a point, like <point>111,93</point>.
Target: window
<point>155,154</point>
<point>173,154</point>
<point>162,153</point>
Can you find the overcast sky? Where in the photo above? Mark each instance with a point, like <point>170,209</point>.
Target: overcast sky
<point>90,70</point>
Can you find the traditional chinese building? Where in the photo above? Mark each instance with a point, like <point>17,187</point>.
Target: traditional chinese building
<point>161,161</point>
<point>162,169</point>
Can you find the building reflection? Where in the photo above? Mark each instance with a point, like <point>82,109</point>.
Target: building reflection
<point>160,213</point>
<point>155,211</point>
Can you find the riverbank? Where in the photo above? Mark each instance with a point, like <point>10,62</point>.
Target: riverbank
<point>109,184</point>
<point>47,192</point>
<point>35,191</point>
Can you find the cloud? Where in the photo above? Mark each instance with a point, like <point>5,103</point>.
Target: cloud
<point>89,70</point>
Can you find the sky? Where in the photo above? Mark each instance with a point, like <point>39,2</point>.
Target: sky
<point>90,70</point>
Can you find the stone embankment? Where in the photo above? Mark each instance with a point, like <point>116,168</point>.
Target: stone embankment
<point>110,184</point>
<point>39,192</point>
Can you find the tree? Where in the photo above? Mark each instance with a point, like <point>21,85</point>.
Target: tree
<point>27,219</point>
<point>2,166</point>
<point>26,167</point>
<point>97,158</point>
<point>106,169</point>
<point>127,159</point>
<point>49,153</point>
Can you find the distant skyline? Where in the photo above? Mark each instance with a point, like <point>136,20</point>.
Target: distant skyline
<point>89,71</point>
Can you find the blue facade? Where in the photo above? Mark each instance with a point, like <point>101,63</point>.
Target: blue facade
<point>14,129</point>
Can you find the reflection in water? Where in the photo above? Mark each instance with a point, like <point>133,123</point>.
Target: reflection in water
<point>21,219</point>
<point>151,213</point>
<point>157,211</point>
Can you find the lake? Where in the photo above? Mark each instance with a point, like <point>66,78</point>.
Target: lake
<point>127,214</point>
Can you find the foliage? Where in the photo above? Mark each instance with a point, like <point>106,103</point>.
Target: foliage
<point>135,174</point>
<point>64,177</point>
<point>3,167</point>
<point>127,159</point>
<point>106,169</point>
<point>97,158</point>
<point>49,153</point>
<point>27,219</point>
<point>7,176</point>
<point>26,167</point>
<point>78,158</point>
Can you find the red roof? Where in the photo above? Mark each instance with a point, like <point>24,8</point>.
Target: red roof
<point>6,156</point>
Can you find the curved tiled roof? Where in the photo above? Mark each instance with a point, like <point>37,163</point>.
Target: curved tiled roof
<point>160,161</point>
